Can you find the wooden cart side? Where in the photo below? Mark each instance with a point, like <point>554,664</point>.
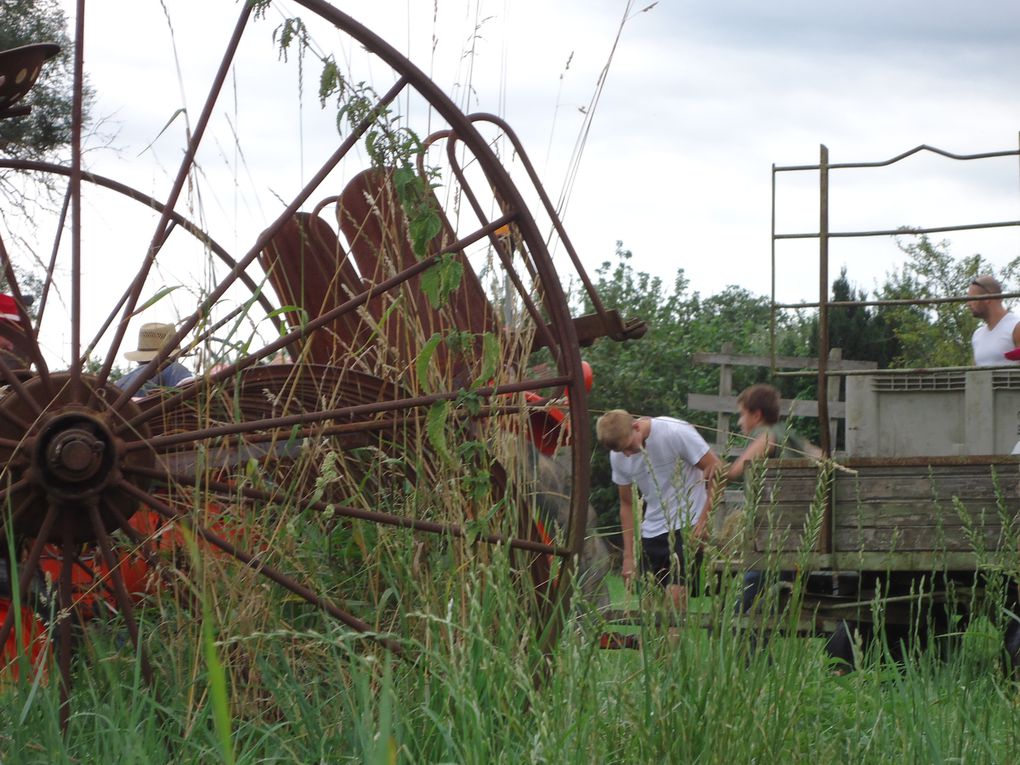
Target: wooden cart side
<point>920,514</point>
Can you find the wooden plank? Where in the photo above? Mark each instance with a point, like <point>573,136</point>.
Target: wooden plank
<point>782,362</point>
<point>887,514</point>
<point>914,539</point>
<point>708,403</point>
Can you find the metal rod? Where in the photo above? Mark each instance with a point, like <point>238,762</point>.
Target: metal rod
<point>187,162</point>
<point>896,372</point>
<point>26,333</point>
<point>48,281</point>
<point>77,393</point>
<point>27,569</point>
<point>120,590</point>
<point>306,418</point>
<point>904,231</point>
<point>823,299</point>
<point>502,247</point>
<point>373,516</point>
<point>66,614</point>
<point>772,300</point>
<point>904,155</point>
<point>258,566</point>
<point>904,301</point>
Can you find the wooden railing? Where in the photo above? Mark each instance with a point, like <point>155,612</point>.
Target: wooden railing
<point>725,403</point>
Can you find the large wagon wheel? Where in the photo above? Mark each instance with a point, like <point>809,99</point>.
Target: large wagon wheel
<point>406,386</point>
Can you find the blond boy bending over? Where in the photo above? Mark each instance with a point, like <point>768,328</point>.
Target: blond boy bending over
<point>671,464</point>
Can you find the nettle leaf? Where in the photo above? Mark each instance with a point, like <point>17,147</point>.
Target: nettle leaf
<point>423,228</point>
<point>490,359</point>
<point>440,281</point>
<point>421,364</point>
<point>430,285</point>
<point>435,428</point>
<point>405,181</point>
<point>330,81</point>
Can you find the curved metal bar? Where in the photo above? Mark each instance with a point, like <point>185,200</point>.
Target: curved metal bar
<point>550,210</point>
<point>252,562</point>
<point>108,183</point>
<point>306,418</point>
<point>135,290</point>
<point>264,238</point>
<point>502,248</point>
<point>353,304</point>
<point>898,157</point>
<point>386,519</point>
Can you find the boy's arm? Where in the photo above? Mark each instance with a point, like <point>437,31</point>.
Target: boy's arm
<point>708,465</point>
<point>627,529</point>
<point>757,448</point>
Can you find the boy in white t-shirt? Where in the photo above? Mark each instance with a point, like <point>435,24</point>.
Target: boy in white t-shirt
<point>670,463</point>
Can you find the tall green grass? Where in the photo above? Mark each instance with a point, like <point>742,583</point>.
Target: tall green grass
<point>474,688</point>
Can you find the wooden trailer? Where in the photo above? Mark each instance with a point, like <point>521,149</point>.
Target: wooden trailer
<point>913,527</point>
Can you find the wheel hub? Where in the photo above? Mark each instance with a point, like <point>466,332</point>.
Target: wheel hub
<point>75,455</point>
<point>68,458</point>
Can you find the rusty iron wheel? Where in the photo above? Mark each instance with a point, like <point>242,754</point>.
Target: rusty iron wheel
<point>374,372</point>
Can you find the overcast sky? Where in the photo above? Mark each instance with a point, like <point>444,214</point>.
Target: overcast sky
<point>700,100</point>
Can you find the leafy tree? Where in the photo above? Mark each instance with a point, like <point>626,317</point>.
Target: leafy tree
<point>47,130</point>
<point>861,332</point>
<point>934,335</point>
<point>44,133</point>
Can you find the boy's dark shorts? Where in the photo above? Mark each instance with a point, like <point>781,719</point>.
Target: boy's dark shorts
<point>663,557</point>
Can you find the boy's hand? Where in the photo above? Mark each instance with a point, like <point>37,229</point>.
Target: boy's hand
<point>627,570</point>
<point>700,530</point>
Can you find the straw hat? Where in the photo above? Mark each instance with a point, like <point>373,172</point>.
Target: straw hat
<point>151,338</point>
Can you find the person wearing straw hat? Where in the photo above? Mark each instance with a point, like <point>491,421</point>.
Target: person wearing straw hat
<point>152,338</point>
<point>999,334</point>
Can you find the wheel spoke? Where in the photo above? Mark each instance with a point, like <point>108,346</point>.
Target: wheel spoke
<point>65,626</point>
<point>12,379</point>
<point>27,334</point>
<point>48,281</point>
<point>121,595</point>
<point>187,163</point>
<point>26,503</point>
<point>255,564</point>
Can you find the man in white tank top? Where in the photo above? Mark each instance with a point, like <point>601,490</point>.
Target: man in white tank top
<point>1000,331</point>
